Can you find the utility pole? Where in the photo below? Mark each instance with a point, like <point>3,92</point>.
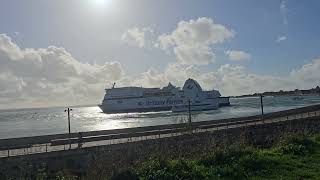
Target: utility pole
<point>189,110</point>
<point>68,110</point>
<point>261,103</point>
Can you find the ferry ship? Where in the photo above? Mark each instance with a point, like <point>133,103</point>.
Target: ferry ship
<point>168,98</point>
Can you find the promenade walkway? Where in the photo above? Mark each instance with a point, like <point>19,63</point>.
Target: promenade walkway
<point>64,142</point>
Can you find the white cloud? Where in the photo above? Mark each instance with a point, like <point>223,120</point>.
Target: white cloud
<point>281,38</point>
<point>235,79</point>
<point>284,16</point>
<point>139,37</point>
<point>151,78</point>
<point>237,55</point>
<point>175,73</point>
<point>194,54</point>
<point>284,11</point>
<point>50,76</point>
<point>308,74</point>
<point>191,40</point>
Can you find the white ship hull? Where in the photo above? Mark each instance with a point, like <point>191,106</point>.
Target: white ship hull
<point>170,98</point>
<point>150,104</point>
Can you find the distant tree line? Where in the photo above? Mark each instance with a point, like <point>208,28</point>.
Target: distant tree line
<point>296,92</point>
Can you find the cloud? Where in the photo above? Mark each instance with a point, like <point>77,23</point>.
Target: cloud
<point>308,74</point>
<point>236,80</point>
<point>194,54</point>
<point>284,15</point>
<point>232,79</point>
<point>50,76</point>
<point>151,78</point>
<point>191,40</point>
<point>138,37</point>
<point>237,55</point>
<point>284,11</point>
<point>281,38</point>
<point>175,73</point>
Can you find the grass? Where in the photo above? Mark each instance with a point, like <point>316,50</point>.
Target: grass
<point>296,157</point>
<point>292,157</point>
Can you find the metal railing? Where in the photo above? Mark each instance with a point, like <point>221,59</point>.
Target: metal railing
<point>64,142</point>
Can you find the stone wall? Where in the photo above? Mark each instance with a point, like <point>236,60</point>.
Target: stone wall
<point>103,160</point>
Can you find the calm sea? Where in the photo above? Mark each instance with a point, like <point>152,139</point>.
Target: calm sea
<point>31,122</point>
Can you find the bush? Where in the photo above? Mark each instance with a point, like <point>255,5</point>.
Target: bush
<point>220,157</point>
<point>297,145</point>
<point>257,163</point>
<point>294,149</point>
<point>180,169</point>
<point>231,171</point>
<point>125,175</point>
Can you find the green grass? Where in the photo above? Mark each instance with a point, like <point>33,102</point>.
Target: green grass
<point>296,157</point>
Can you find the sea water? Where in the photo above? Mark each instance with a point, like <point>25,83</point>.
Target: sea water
<point>43,121</point>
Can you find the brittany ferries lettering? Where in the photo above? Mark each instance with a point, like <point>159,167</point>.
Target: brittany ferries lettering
<point>169,98</point>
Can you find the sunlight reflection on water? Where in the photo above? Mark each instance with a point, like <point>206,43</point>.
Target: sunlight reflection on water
<point>30,122</point>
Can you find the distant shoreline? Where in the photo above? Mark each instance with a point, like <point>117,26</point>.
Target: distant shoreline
<point>288,95</point>
<point>297,92</point>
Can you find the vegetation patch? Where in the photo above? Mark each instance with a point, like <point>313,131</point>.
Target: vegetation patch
<point>296,157</point>
<point>297,145</point>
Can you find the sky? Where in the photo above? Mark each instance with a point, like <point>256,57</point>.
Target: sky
<point>60,53</point>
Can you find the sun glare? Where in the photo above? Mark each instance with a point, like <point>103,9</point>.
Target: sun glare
<point>100,2</point>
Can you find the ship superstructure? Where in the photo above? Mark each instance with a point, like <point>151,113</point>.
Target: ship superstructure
<point>169,98</point>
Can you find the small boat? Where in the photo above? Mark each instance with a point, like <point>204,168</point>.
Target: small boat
<point>200,107</point>
<point>195,106</point>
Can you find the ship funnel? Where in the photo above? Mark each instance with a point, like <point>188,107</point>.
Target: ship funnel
<point>191,85</point>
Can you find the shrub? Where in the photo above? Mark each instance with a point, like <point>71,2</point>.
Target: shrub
<point>125,175</point>
<point>257,163</point>
<point>297,145</point>
<point>220,157</point>
<point>179,169</point>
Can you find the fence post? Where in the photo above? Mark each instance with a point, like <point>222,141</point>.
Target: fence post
<point>189,112</point>
<point>290,126</point>
<point>261,104</point>
<point>8,152</point>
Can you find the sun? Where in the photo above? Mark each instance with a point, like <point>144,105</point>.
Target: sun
<point>100,2</point>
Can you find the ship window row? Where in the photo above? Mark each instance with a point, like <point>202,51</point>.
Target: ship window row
<point>158,94</point>
<point>118,98</point>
